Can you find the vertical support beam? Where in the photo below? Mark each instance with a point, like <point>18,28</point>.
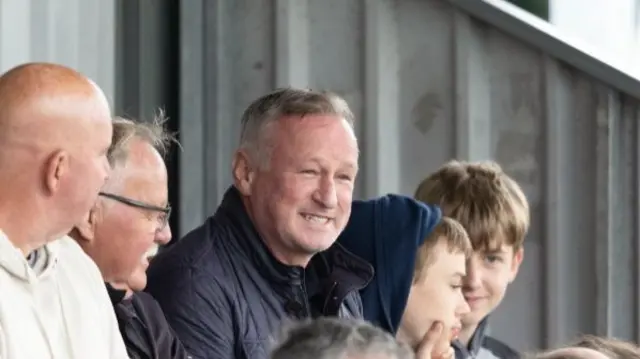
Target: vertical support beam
<point>472,93</point>
<point>78,34</point>
<point>623,300</point>
<point>15,33</point>
<point>192,163</point>
<point>381,133</point>
<point>292,43</point>
<point>557,206</point>
<point>636,214</point>
<point>606,177</point>
<point>218,101</point>
<point>205,108</point>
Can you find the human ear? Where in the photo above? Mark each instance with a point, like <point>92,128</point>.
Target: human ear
<point>87,227</point>
<point>518,256</point>
<point>56,168</point>
<point>243,173</point>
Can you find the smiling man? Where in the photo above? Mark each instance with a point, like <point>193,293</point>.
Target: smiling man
<point>268,252</point>
<point>127,222</point>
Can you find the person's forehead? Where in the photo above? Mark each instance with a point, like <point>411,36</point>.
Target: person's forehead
<point>312,125</point>
<point>446,263</point>
<point>500,249</point>
<point>294,137</point>
<point>144,172</point>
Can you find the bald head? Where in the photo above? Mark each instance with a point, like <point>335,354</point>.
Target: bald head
<point>573,353</point>
<point>55,124</point>
<point>39,103</point>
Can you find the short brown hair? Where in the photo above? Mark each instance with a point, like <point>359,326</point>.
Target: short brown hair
<point>125,130</point>
<point>611,347</point>
<point>483,198</point>
<point>287,102</point>
<point>449,231</point>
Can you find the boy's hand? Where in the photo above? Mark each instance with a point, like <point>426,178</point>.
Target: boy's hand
<point>435,344</point>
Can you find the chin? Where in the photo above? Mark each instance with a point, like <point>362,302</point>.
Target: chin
<point>313,242</point>
<point>137,282</point>
<point>473,318</point>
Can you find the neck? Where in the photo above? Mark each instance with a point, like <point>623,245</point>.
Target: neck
<point>278,251</point>
<point>24,236</point>
<point>466,333</point>
<point>123,286</point>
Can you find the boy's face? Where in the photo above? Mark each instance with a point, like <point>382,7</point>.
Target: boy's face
<point>488,275</point>
<point>437,296</point>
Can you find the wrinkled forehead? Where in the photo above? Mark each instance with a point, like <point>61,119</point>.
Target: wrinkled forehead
<point>304,136</point>
<point>142,172</point>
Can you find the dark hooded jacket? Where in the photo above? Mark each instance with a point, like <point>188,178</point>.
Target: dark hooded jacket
<point>387,232</point>
<point>226,296</point>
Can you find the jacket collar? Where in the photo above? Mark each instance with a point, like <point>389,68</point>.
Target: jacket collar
<point>477,339</point>
<point>116,295</point>
<point>335,264</point>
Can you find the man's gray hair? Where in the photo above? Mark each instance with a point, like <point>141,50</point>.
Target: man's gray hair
<point>287,102</point>
<point>125,130</point>
<point>333,338</point>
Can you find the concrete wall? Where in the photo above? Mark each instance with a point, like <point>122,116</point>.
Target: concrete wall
<point>431,80</point>
<point>76,33</point>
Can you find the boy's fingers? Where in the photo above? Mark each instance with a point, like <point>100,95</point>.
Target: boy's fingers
<point>449,353</point>
<point>429,341</point>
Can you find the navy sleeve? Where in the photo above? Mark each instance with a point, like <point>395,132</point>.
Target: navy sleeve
<point>198,311</point>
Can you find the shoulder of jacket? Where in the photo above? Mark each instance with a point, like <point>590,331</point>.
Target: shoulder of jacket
<point>499,348</point>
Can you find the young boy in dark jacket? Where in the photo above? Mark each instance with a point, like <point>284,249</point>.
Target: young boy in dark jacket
<point>419,258</point>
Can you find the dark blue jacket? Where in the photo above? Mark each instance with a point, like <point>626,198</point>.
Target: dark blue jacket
<point>387,232</point>
<point>225,295</point>
<point>144,328</point>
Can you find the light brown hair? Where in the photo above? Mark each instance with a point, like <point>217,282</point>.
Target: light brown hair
<point>611,347</point>
<point>455,238</point>
<point>483,198</point>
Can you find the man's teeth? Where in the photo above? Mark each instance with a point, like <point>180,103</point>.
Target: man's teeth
<point>317,219</point>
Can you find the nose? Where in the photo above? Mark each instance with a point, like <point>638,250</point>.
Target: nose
<point>472,280</point>
<point>164,236</point>
<point>326,193</point>
<point>463,307</point>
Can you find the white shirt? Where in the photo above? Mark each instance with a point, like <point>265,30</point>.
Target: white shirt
<point>59,309</point>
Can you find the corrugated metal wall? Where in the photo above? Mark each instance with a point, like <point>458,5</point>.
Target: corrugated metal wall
<point>429,81</point>
<point>76,33</point>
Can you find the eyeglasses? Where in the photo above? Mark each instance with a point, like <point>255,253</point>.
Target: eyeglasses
<point>165,212</point>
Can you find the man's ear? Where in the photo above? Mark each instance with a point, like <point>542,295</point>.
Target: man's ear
<point>56,167</point>
<point>518,256</point>
<point>87,228</point>
<point>243,172</point>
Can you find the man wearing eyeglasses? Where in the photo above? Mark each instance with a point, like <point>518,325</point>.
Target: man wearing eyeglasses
<point>127,223</point>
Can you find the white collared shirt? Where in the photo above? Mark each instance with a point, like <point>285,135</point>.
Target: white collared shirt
<point>57,309</point>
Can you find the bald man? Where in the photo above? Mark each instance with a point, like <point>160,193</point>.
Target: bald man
<point>573,353</point>
<point>55,129</point>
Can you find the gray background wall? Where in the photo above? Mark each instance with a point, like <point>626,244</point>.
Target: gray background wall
<point>429,80</point>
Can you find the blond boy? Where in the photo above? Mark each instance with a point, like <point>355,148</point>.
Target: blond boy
<point>436,291</point>
<point>495,213</point>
